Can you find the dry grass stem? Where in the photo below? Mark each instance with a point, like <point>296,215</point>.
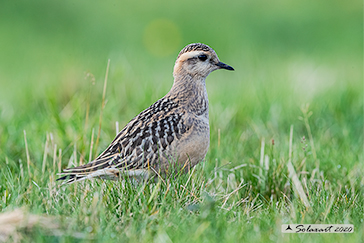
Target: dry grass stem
<point>293,175</point>
<point>27,152</point>
<point>91,145</point>
<point>102,105</point>
<point>45,154</point>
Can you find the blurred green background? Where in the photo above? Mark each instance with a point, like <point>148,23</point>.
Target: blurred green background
<point>285,53</point>
<point>53,58</point>
<point>46,44</point>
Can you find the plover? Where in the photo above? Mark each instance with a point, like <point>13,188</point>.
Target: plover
<point>172,133</point>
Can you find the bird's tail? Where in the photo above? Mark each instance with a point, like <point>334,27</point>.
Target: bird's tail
<point>110,168</point>
<point>99,168</point>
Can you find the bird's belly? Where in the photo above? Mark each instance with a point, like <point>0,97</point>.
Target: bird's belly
<point>193,149</point>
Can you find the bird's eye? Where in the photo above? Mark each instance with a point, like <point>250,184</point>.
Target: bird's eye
<point>202,57</point>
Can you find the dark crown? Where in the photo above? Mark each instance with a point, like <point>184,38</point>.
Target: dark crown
<point>195,47</point>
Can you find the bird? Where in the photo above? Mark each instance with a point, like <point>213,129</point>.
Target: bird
<point>173,133</point>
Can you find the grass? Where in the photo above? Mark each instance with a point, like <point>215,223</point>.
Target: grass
<point>286,125</point>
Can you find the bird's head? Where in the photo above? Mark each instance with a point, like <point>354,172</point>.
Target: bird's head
<point>198,60</point>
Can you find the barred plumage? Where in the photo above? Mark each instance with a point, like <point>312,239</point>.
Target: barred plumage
<point>173,131</point>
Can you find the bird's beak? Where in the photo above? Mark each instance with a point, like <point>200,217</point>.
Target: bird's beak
<point>224,66</point>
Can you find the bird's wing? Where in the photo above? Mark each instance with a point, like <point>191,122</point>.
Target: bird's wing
<point>138,146</point>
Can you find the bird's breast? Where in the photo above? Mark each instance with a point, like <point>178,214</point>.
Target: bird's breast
<point>192,147</point>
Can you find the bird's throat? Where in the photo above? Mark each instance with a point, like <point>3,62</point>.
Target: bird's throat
<point>191,92</point>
